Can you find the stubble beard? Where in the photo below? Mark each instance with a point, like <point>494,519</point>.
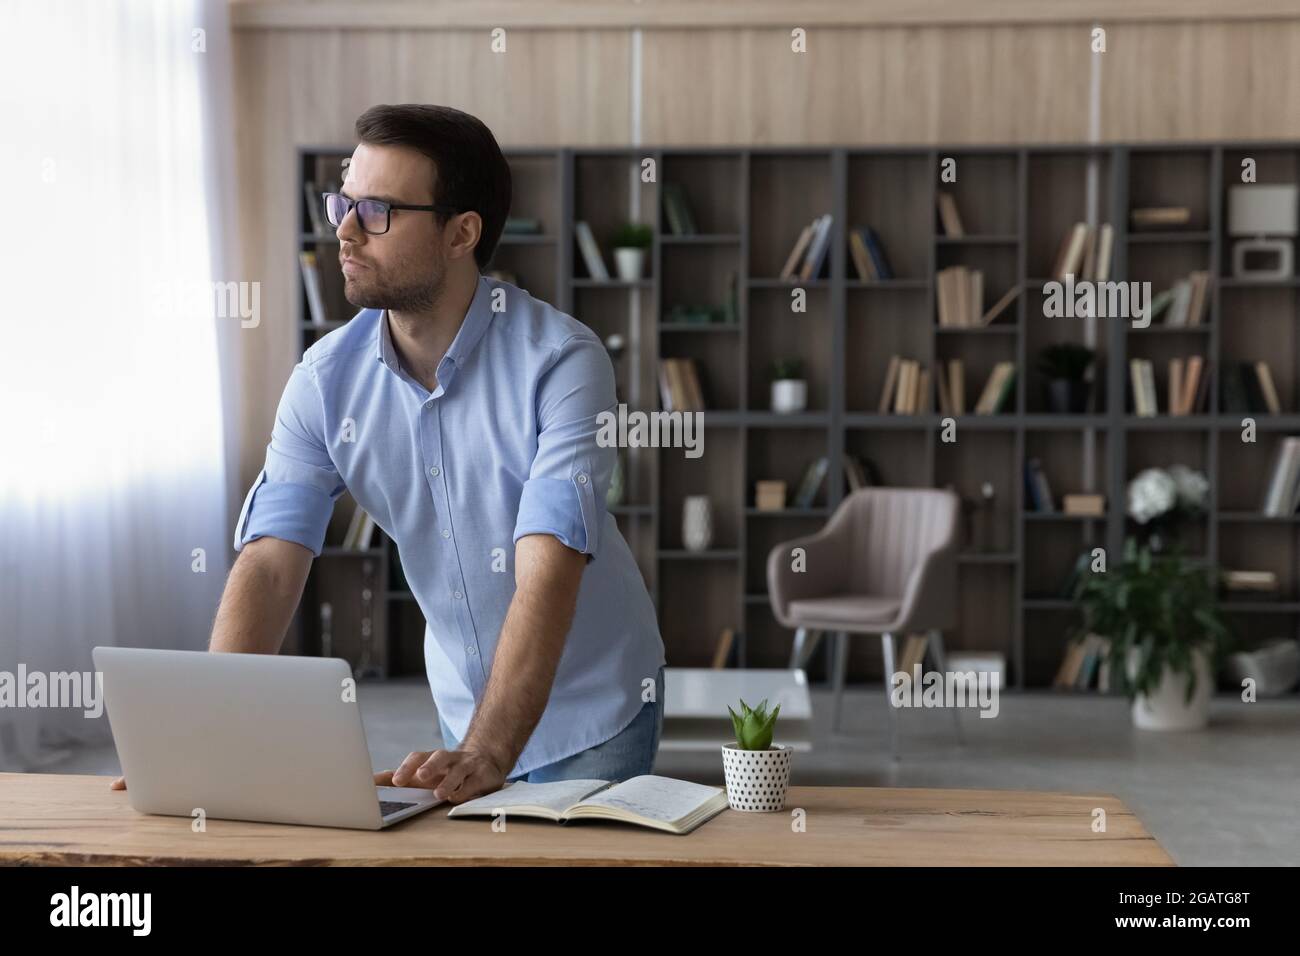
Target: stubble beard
<point>412,295</point>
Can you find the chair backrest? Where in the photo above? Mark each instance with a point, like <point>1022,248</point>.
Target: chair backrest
<point>891,531</point>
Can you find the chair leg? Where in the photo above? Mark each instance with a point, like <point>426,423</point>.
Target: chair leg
<point>941,661</point>
<point>840,668</point>
<point>888,650</point>
<point>805,643</point>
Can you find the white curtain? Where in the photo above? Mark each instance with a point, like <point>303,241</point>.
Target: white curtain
<point>115,250</point>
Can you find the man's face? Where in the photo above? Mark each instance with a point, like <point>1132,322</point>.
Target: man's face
<point>404,268</point>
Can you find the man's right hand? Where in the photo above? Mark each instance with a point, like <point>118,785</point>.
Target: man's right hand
<point>119,783</point>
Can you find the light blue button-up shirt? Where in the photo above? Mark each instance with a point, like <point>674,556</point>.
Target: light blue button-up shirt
<point>505,446</point>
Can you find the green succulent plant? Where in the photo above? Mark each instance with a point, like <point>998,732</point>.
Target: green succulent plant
<point>754,725</point>
<point>633,235</point>
<point>785,368</point>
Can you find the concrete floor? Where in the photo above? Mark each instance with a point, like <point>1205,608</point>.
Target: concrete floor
<point>1228,795</point>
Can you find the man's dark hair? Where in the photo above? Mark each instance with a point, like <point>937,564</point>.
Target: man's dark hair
<point>470,173</point>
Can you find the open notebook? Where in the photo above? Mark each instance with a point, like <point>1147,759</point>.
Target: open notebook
<point>662,803</point>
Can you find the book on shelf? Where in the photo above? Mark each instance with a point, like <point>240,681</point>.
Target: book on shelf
<point>660,803</point>
<point>906,390</point>
<point>1038,491</point>
<point>809,253</point>
<point>813,477</point>
<point>1085,252</point>
<point>1159,217</point>
<point>522,226</point>
<point>1084,503</point>
<point>361,531</point>
<point>859,472</point>
<point>1282,493</point>
<point>312,284</point>
<point>769,495</point>
<point>957,386</point>
<point>590,250</point>
<point>680,388</point>
<point>891,382</point>
<point>1085,665</point>
<point>817,248</point>
<point>1183,304</point>
<point>1248,388</point>
<point>1069,256</point>
<point>868,255</point>
<point>1075,575</point>
<point>1142,382</point>
<point>722,650</point>
<point>997,390</point>
<point>314,217</point>
<point>677,210</point>
<point>960,298</point>
<point>949,217</point>
<point>1251,583</point>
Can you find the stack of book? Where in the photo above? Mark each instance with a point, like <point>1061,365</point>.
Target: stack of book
<point>1085,253</point>
<point>590,249</point>
<point>677,211</point>
<point>1185,301</point>
<point>998,390</point>
<point>1085,665</point>
<point>868,254</point>
<point>1249,584</point>
<point>1188,385</point>
<point>961,298</point>
<point>1282,494</point>
<point>809,253</point>
<point>907,388</point>
<point>679,386</point>
<point>1249,388</point>
<point>311,283</point>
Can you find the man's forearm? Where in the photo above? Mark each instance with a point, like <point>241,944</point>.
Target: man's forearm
<point>547,578</point>
<point>261,594</point>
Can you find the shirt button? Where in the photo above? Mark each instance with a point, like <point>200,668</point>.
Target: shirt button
<point>446,533</point>
<point>471,650</point>
<point>458,595</point>
<point>435,471</point>
<point>582,479</point>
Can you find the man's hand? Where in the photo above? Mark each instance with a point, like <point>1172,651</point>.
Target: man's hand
<point>452,775</point>
<point>119,783</point>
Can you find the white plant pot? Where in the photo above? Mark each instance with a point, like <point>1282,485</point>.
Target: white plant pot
<point>630,263</point>
<point>789,395</point>
<point>756,779</point>
<point>1165,708</point>
<point>697,523</point>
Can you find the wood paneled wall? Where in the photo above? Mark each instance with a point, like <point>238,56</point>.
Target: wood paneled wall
<point>877,72</point>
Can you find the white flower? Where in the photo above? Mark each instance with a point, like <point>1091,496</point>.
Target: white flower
<point>1193,487</point>
<point>1151,493</point>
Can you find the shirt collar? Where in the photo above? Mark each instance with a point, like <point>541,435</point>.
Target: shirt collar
<point>477,319</point>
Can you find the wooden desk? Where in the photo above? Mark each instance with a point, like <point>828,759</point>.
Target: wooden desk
<point>55,819</point>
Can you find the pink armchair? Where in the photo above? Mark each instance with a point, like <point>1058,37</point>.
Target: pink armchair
<point>886,563</point>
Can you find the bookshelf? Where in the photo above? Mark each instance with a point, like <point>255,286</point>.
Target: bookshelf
<point>1016,202</point>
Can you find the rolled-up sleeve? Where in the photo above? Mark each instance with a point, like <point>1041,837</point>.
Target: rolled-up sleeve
<point>564,495</point>
<point>293,496</point>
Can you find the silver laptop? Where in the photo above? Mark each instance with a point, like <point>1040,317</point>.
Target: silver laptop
<point>246,737</point>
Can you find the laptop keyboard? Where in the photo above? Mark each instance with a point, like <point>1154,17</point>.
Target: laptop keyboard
<point>392,806</point>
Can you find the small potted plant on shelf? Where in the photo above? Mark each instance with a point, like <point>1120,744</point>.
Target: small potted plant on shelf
<point>1065,367</point>
<point>757,772</point>
<point>630,245</point>
<point>1166,634</point>
<point>789,390</point>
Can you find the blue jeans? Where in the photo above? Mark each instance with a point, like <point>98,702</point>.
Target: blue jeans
<point>629,753</point>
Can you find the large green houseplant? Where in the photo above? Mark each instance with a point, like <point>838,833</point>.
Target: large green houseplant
<point>1166,633</point>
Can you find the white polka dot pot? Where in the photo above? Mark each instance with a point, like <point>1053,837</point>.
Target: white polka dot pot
<point>756,779</point>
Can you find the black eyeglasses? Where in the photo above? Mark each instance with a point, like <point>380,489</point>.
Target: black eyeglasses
<point>374,215</point>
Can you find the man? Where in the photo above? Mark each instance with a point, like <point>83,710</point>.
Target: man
<point>461,414</point>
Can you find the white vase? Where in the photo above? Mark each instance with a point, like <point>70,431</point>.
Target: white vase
<point>697,523</point>
<point>789,395</point>
<point>1166,707</point>
<point>629,262</point>
<point>756,779</point>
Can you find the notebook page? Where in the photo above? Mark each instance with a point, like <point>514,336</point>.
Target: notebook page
<point>558,795</point>
<point>655,798</point>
